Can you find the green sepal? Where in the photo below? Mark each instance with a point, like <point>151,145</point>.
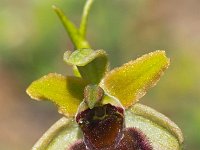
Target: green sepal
<point>130,82</point>
<point>159,129</point>
<point>60,136</point>
<point>65,92</point>
<point>92,65</point>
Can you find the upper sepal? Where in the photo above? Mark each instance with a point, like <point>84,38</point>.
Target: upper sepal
<point>92,65</point>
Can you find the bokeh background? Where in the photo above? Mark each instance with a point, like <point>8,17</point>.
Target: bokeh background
<point>32,43</point>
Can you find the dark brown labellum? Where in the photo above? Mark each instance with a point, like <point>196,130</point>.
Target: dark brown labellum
<point>133,139</point>
<point>103,129</point>
<point>102,126</point>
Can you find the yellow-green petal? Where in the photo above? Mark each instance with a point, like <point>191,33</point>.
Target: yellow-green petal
<point>65,92</point>
<point>130,82</point>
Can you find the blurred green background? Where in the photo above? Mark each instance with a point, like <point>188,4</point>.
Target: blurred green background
<point>32,43</point>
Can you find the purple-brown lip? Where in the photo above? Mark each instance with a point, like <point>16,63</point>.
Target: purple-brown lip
<point>102,126</point>
<point>133,139</point>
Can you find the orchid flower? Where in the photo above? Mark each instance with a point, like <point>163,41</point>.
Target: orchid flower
<point>100,107</point>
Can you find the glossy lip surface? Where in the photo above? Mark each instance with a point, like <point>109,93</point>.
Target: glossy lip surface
<point>102,126</point>
<point>133,139</point>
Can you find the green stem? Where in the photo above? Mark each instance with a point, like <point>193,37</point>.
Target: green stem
<point>77,36</point>
<point>84,20</point>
